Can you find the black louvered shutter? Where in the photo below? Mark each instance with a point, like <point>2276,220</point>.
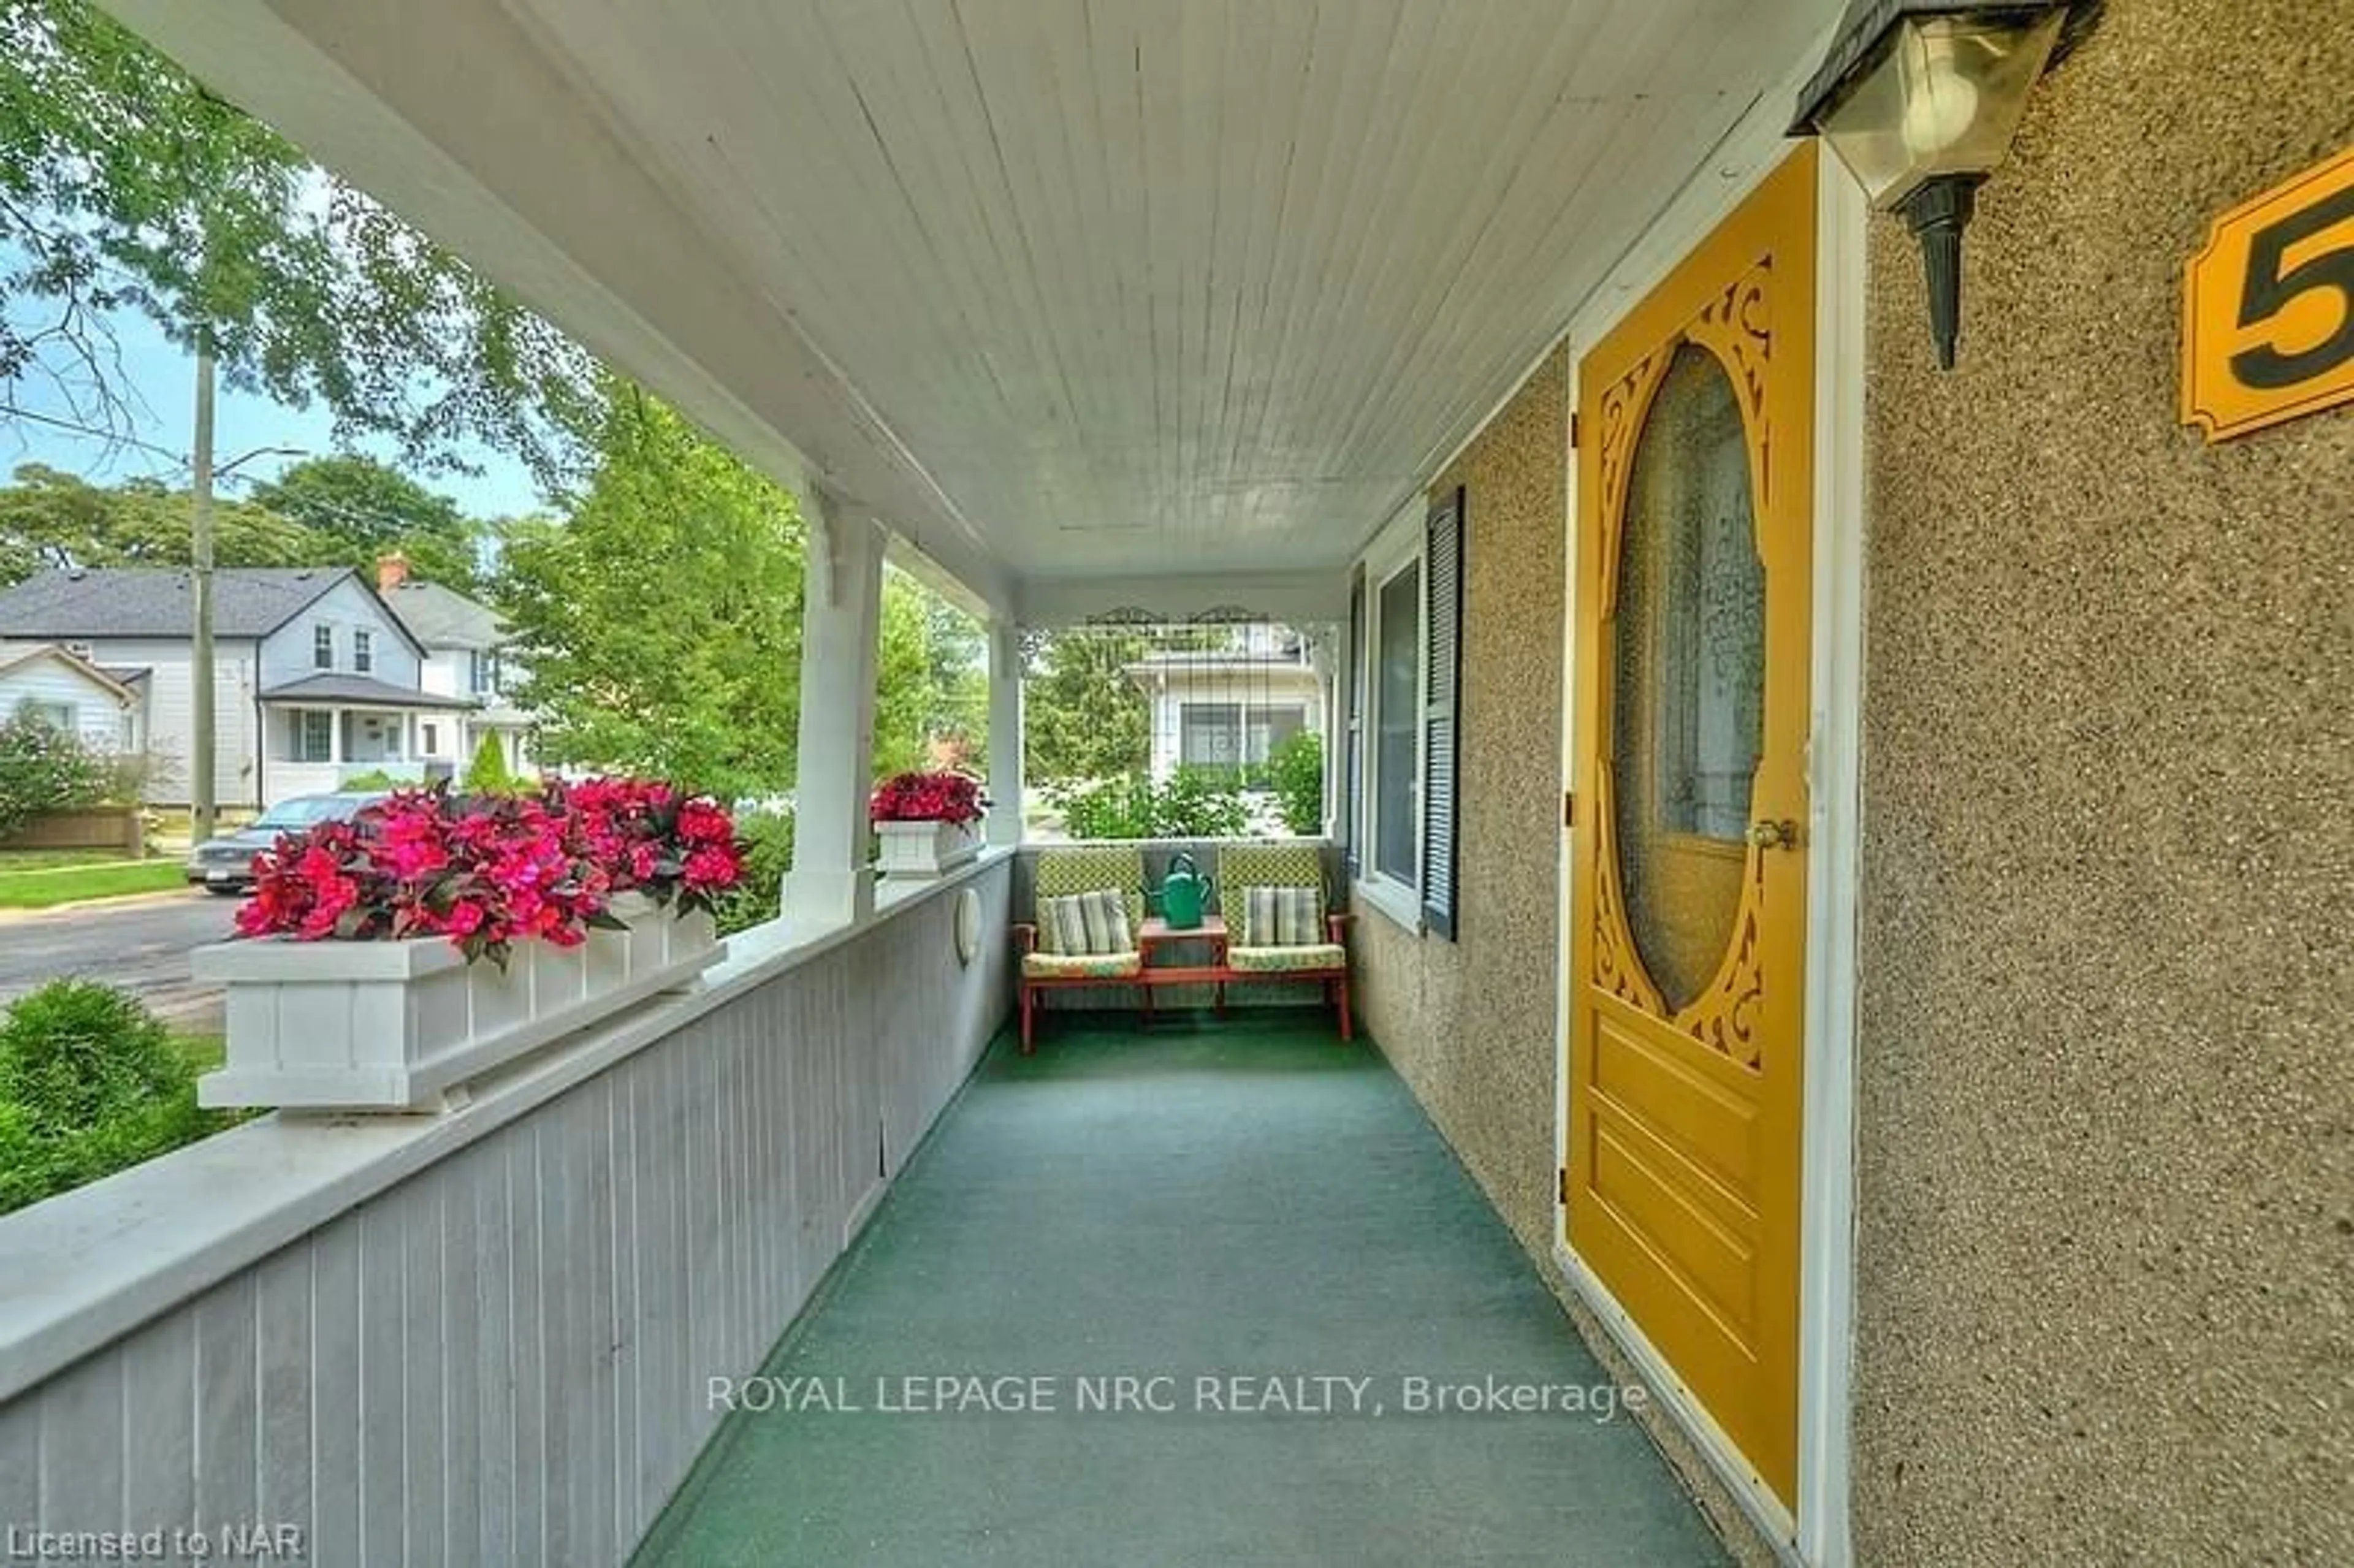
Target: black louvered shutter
<point>1442,714</point>
<point>1352,803</point>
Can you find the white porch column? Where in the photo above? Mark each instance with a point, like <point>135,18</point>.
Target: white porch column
<point>336,718</point>
<point>1004,733</point>
<point>833,881</point>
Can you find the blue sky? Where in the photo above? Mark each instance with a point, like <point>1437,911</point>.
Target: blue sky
<point>161,381</point>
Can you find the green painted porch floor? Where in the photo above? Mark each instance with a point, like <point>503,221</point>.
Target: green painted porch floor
<point>1208,1199</point>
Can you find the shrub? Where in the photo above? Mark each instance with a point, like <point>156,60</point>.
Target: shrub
<point>487,774</point>
<point>44,769</point>
<point>91,1082</point>
<point>767,840</point>
<point>1296,773</point>
<point>380,780</point>
<point>1195,803</point>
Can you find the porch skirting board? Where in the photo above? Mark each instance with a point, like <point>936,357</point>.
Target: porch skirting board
<point>1763,1511</point>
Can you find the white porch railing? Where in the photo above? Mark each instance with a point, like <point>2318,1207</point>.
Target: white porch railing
<point>485,1336</point>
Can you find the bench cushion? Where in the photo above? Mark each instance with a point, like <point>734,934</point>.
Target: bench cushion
<point>1305,956</point>
<point>1281,917</point>
<point>1081,966</point>
<point>1085,924</point>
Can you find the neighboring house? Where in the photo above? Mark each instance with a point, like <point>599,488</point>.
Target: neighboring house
<point>1231,707</point>
<point>102,707</point>
<point>316,680</point>
<point>465,659</point>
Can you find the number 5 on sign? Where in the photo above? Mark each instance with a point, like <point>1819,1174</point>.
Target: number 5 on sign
<point>2268,307</point>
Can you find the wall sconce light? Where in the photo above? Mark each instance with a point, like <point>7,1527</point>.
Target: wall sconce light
<point>1920,99</point>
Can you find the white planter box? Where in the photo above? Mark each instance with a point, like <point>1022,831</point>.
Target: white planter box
<point>393,1025</point>
<point>924,849</point>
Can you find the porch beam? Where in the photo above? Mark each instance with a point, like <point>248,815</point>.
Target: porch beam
<point>832,880</point>
<point>1004,733</point>
<point>1299,598</point>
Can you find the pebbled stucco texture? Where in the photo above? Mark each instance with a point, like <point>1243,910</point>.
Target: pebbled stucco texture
<point>1469,1023</point>
<point>2105,1288</point>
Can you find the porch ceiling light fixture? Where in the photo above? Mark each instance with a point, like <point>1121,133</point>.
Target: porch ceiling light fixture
<point>1920,99</point>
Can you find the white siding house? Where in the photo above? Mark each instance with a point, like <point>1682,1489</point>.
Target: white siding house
<point>71,695</point>
<point>316,682</point>
<point>1231,707</point>
<point>466,660</point>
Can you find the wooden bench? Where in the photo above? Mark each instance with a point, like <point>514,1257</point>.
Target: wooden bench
<point>1149,977</point>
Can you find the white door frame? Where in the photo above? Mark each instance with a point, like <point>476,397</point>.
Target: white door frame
<point>1817,1536</point>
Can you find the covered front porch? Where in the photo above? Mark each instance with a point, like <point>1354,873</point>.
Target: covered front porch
<point>321,731</point>
<point>1905,1046</point>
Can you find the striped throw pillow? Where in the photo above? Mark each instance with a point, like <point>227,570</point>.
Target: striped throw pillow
<point>1282,917</point>
<point>1086,922</point>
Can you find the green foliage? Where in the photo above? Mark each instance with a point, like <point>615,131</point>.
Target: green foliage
<point>91,1082</point>
<point>932,678</point>
<point>48,518</point>
<point>660,628</point>
<point>363,511</point>
<point>487,774</point>
<point>1296,773</point>
<point>44,769</point>
<point>767,840</point>
<point>1195,803</point>
<point>1083,718</point>
<point>125,184</point>
<point>378,778</point>
<point>902,666</point>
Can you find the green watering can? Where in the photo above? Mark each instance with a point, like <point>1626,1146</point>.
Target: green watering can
<point>1182,893</point>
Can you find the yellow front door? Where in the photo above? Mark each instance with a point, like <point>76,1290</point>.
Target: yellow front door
<point>1688,919</point>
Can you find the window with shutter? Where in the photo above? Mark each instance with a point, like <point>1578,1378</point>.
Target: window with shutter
<point>1353,796</point>
<point>1442,711</point>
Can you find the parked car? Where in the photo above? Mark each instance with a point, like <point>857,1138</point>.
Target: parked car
<point>225,865</point>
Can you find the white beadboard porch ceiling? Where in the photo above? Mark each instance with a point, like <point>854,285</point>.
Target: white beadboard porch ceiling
<point>1151,285</point>
<point>1058,289</point>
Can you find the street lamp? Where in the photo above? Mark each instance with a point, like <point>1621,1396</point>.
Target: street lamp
<point>1920,99</point>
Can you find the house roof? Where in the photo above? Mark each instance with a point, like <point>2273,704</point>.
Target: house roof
<point>153,602</point>
<point>363,690</point>
<point>440,617</point>
<point>109,681</point>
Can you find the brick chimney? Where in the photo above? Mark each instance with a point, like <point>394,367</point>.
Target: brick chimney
<point>391,571</point>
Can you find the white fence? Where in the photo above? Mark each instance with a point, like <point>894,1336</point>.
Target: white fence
<point>484,1338</point>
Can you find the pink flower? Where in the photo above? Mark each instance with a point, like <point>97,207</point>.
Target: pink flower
<point>714,866</point>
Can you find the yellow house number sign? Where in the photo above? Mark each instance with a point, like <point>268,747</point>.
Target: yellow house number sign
<point>2268,307</point>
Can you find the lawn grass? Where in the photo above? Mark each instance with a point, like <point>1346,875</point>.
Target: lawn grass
<point>55,860</point>
<point>72,884</point>
<point>204,1052</point>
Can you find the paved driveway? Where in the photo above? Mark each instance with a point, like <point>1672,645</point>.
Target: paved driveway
<point>139,944</point>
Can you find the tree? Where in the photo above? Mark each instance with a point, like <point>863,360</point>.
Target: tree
<point>931,683</point>
<point>53,519</point>
<point>125,184</point>
<point>660,627</point>
<point>902,705</point>
<point>1083,717</point>
<point>487,774</point>
<point>368,511</point>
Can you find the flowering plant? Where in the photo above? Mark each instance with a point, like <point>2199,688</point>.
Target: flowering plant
<point>921,797</point>
<point>485,871</point>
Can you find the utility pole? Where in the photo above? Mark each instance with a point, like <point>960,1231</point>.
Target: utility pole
<point>201,812</point>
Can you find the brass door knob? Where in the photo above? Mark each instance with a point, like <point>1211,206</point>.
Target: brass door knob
<point>1768,835</point>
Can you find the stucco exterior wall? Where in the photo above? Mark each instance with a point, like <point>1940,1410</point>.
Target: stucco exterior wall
<point>2107,1139</point>
<point>1469,1024</point>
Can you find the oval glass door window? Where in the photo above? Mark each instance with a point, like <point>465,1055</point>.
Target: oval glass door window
<point>1688,643</point>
